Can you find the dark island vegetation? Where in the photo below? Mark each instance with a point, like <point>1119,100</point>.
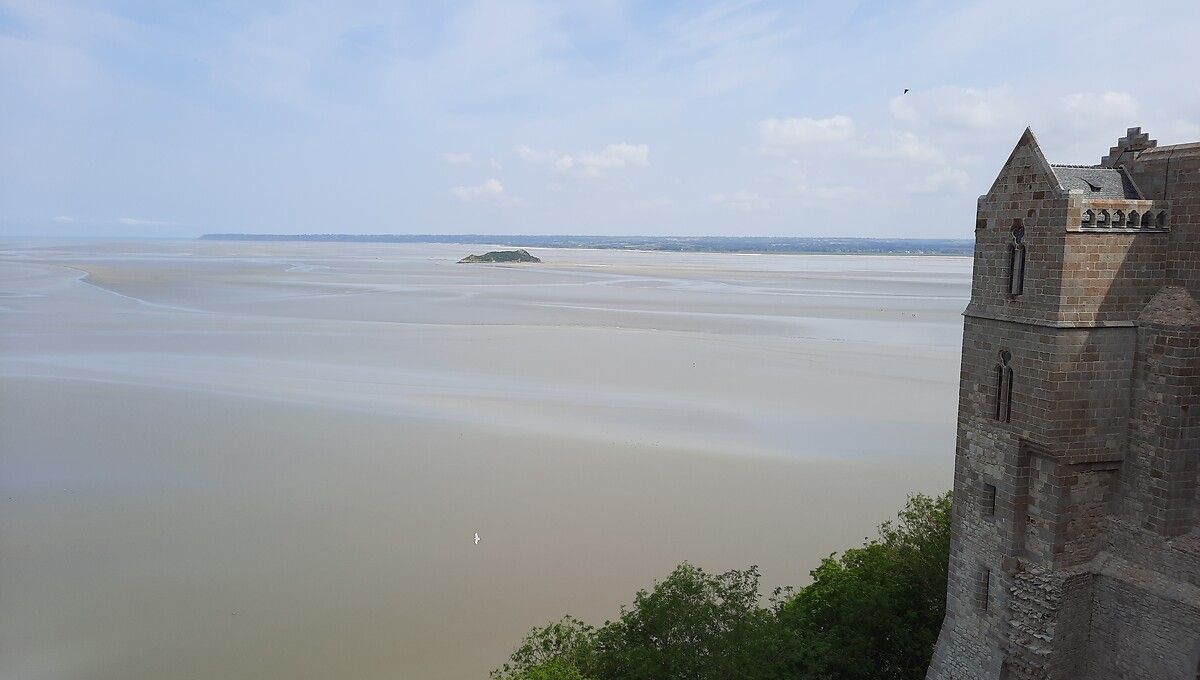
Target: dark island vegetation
<point>872,613</point>
<point>519,255</point>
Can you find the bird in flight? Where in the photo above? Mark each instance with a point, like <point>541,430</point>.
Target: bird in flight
<point>476,538</point>
<point>906,90</point>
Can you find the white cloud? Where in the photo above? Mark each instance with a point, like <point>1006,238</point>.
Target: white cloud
<point>533,155</point>
<point>589,163</point>
<point>729,46</point>
<point>457,157</point>
<point>834,193</point>
<point>945,180</point>
<point>1182,129</point>
<point>959,108</point>
<point>616,156</point>
<point>905,146</point>
<point>1105,105</point>
<point>801,131</point>
<point>491,189</point>
<point>278,55</point>
<point>739,200</point>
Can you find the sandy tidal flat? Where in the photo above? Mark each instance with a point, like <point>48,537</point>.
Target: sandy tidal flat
<point>249,460</point>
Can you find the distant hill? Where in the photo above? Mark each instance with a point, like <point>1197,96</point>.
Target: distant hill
<point>519,255</point>
<point>688,244</point>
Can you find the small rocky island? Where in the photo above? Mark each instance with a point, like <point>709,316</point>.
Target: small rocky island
<point>520,255</point>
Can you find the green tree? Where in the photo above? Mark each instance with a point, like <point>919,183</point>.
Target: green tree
<point>564,650</point>
<point>694,626</point>
<point>554,669</point>
<point>874,612</point>
<point>871,614</point>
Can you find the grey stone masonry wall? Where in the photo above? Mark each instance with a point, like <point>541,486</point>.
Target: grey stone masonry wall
<point>1170,175</point>
<point>1075,548</point>
<point>1025,196</point>
<point>1162,474</point>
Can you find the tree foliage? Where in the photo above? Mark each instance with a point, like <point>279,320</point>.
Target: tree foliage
<point>692,625</point>
<point>555,651</point>
<point>873,612</point>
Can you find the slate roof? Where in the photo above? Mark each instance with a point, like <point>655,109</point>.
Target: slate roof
<point>1096,182</point>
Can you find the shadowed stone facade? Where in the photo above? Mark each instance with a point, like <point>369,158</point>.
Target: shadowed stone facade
<point>1075,549</point>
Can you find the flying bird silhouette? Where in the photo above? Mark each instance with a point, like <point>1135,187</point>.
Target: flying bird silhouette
<point>476,538</point>
<point>906,90</point>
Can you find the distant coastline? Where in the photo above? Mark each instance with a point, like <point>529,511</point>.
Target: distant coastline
<point>689,244</point>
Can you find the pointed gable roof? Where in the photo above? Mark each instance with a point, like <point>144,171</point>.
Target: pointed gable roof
<point>1028,144</point>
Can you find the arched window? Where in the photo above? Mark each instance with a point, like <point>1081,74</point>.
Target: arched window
<point>1102,219</point>
<point>1118,218</point>
<point>1133,222</point>
<point>1161,222</point>
<point>1004,384</point>
<point>1016,262</point>
<point>1089,218</point>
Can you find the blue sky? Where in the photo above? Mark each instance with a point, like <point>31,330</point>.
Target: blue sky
<point>608,117</point>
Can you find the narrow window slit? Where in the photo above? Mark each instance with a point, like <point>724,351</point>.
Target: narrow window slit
<point>1016,262</point>
<point>985,588</point>
<point>1004,386</point>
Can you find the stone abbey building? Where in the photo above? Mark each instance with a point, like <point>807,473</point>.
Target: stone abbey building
<point>1075,549</point>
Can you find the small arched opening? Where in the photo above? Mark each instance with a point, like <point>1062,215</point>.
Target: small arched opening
<point>1133,222</point>
<point>1089,219</point>
<point>1161,220</point>
<point>1118,218</point>
<point>1102,219</point>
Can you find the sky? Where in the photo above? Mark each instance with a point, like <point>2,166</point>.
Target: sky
<point>174,118</point>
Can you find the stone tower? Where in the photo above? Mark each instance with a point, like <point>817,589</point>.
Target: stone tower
<point>1075,549</point>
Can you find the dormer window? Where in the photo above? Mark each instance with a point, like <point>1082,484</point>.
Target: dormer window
<point>1016,262</point>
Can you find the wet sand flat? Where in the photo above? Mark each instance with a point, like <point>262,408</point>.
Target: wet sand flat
<point>247,460</point>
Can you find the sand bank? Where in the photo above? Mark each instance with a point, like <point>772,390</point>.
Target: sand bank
<point>248,460</point>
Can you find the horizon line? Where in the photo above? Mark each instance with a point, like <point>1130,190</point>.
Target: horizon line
<point>218,235</point>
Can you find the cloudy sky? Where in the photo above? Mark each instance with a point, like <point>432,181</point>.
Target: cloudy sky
<point>173,118</point>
